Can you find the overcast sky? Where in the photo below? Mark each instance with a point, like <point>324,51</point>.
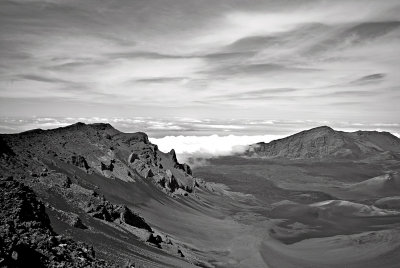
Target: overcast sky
<point>221,59</point>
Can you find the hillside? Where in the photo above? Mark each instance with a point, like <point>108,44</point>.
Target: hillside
<point>93,180</point>
<point>327,143</point>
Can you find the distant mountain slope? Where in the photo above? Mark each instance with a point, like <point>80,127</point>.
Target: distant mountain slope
<point>325,142</point>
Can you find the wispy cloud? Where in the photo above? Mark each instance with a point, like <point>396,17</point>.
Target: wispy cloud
<point>267,93</point>
<point>368,79</point>
<point>40,78</point>
<point>243,59</point>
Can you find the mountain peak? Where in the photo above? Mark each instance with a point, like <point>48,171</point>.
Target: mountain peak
<point>101,126</point>
<point>322,128</point>
<point>324,142</point>
<point>320,131</point>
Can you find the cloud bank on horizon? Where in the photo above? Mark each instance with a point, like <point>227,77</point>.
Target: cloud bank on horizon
<point>285,60</point>
<point>195,140</point>
<point>191,148</point>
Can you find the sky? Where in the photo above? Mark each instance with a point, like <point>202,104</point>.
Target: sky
<point>228,61</point>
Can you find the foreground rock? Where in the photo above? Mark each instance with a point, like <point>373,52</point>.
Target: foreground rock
<point>27,239</point>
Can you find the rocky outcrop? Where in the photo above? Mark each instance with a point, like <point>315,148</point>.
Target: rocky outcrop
<point>163,168</point>
<point>127,216</point>
<point>27,237</point>
<point>185,167</point>
<point>90,202</point>
<point>72,219</point>
<point>5,149</point>
<point>109,166</point>
<point>132,157</point>
<point>142,168</point>
<point>172,183</point>
<point>100,208</point>
<point>111,213</point>
<point>79,161</point>
<point>155,239</point>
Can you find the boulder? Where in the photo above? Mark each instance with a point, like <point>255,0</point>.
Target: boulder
<point>132,157</point>
<point>155,239</point>
<point>131,218</point>
<point>79,161</point>
<point>72,219</point>
<point>109,166</point>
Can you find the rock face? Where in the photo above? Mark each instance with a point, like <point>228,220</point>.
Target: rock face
<point>131,218</point>
<point>105,210</point>
<point>27,239</point>
<point>109,166</point>
<point>72,219</point>
<point>155,239</point>
<point>324,142</point>
<point>79,161</point>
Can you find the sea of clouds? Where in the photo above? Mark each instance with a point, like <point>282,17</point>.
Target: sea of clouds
<point>195,149</point>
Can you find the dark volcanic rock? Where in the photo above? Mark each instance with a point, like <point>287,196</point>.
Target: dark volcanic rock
<point>109,166</point>
<point>181,253</point>
<point>73,220</point>
<point>79,161</point>
<point>127,216</point>
<point>27,239</point>
<point>185,167</point>
<point>155,239</point>
<point>4,148</point>
<point>102,213</point>
<point>132,157</point>
<point>172,182</point>
<point>99,208</point>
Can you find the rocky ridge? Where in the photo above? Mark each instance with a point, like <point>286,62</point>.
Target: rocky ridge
<point>111,153</point>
